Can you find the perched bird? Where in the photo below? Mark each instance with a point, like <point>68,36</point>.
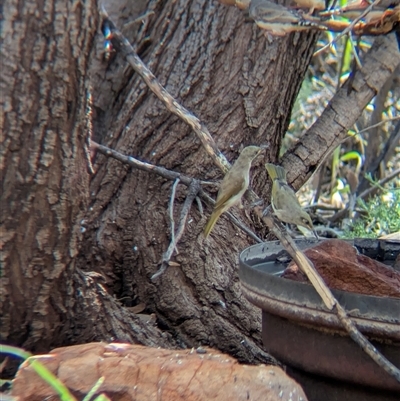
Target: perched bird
<point>234,185</point>
<point>278,20</point>
<point>284,200</point>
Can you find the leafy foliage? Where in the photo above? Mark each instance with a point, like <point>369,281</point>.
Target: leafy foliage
<point>381,215</point>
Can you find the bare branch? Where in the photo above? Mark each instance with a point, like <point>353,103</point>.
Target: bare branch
<point>386,120</point>
<point>326,295</point>
<point>122,44</point>
<point>331,128</point>
<point>350,27</point>
<point>380,183</point>
<point>169,175</point>
<point>342,213</point>
<point>194,189</point>
<point>243,227</point>
<point>199,205</point>
<point>171,212</point>
<point>163,172</point>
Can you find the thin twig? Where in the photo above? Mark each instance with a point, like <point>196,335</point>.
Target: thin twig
<point>139,19</point>
<point>341,213</point>
<point>363,342</point>
<point>380,183</point>
<point>378,124</point>
<point>358,19</point>
<point>349,28</point>
<point>169,175</point>
<point>200,206</point>
<point>389,144</point>
<point>320,206</point>
<point>120,43</point>
<point>354,51</point>
<point>359,132</point>
<point>163,172</point>
<point>194,189</point>
<point>171,211</point>
<point>326,295</point>
<point>244,228</point>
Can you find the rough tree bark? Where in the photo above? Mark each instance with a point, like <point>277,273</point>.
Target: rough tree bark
<point>44,168</point>
<point>218,66</point>
<point>58,232</point>
<point>242,87</point>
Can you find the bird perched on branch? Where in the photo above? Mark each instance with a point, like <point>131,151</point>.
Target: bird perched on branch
<point>284,200</point>
<point>278,20</point>
<point>234,185</point>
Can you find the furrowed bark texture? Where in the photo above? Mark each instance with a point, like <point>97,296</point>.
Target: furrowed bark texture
<point>242,87</point>
<point>44,169</point>
<point>45,299</point>
<point>75,258</point>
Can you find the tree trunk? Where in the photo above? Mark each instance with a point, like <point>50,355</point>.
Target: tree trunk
<point>44,167</point>
<point>242,87</point>
<point>212,61</point>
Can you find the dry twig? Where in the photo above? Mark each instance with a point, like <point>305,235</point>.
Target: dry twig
<point>378,124</point>
<point>380,183</point>
<point>122,44</point>
<point>389,146</point>
<point>169,175</point>
<point>171,212</point>
<point>194,189</point>
<point>325,293</point>
<point>342,213</point>
<point>350,27</point>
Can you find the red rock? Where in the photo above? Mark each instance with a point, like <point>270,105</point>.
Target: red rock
<point>342,268</point>
<point>134,372</point>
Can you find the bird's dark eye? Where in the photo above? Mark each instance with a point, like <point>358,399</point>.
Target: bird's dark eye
<point>306,222</point>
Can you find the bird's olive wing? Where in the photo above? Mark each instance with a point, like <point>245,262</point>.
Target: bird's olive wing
<point>284,197</point>
<point>230,188</point>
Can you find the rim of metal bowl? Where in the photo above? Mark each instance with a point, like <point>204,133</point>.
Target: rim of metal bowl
<point>378,317</point>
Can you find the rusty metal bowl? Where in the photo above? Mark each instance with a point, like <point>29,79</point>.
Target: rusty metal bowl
<point>300,331</point>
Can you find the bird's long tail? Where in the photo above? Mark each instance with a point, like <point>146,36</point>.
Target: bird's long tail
<point>276,172</point>
<point>211,223</point>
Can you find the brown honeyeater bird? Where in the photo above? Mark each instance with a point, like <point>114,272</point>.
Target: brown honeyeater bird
<point>234,185</point>
<point>284,200</point>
